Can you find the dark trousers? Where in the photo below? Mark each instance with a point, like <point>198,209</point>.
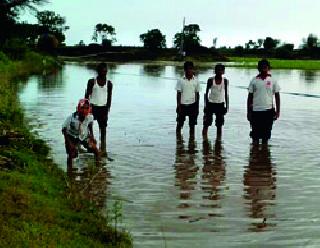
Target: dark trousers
<point>190,110</point>
<point>214,108</point>
<point>262,122</point>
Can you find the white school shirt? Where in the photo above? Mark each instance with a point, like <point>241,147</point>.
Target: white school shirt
<point>75,128</point>
<point>263,91</point>
<point>217,91</point>
<point>99,95</point>
<point>188,88</point>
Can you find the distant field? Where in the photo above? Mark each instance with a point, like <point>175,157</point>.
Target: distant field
<point>275,63</point>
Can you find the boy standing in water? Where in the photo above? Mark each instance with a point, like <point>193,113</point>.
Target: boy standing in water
<point>187,99</point>
<point>260,108</point>
<point>217,102</point>
<point>99,91</point>
<point>77,130</point>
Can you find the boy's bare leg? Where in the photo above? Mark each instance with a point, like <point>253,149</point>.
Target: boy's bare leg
<point>103,131</point>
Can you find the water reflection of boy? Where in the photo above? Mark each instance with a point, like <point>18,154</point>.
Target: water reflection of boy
<point>186,169</point>
<point>77,130</point>
<point>217,102</point>
<point>99,91</point>
<point>260,110</point>
<point>91,184</point>
<point>188,89</point>
<point>260,186</point>
<point>213,171</point>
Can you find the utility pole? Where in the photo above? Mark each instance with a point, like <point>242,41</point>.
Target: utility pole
<point>182,38</point>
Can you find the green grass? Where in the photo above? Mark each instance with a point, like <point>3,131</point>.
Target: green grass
<point>38,209</point>
<point>251,62</point>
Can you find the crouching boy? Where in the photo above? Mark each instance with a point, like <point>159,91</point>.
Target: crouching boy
<point>77,130</point>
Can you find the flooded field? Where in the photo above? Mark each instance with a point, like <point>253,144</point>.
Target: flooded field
<point>181,192</point>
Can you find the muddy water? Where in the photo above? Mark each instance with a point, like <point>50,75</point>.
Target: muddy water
<point>181,192</point>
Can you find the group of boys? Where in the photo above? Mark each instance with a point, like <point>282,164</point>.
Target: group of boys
<point>96,105</point>
<point>260,109</point>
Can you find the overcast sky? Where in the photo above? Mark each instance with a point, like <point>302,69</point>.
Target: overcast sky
<point>233,22</point>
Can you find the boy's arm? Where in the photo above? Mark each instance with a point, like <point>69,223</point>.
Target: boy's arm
<point>109,98</point>
<point>227,94</point>
<point>178,101</point>
<point>209,83</point>
<point>277,97</point>
<point>249,106</point>
<point>89,88</point>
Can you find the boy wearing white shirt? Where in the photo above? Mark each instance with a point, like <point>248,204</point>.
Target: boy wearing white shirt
<point>77,130</point>
<point>217,102</point>
<point>187,98</point>
<point>260,109</point>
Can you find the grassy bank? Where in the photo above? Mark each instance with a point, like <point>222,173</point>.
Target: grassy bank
<point>38,208</point>
<point>251,62</point>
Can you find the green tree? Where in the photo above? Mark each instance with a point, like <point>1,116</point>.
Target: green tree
<point>104,32</point>
<point>310,42</point>
<point>189,38</point>
<point>270,43</point>
<point>153,39</point>
<point>9,15</point>
<point>52,23</point>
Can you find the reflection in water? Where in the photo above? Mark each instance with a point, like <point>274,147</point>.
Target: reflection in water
<point>186,170</point>
<point>112,67</point>
<point>53,80</point>
<point>308,76</point>
<point>91,180</point>
<point>153,70</point>
<point>214,173</point>
<point>260,187</point>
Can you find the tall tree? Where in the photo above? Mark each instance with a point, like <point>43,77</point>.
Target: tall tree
<point>104,32</point>
<point>153,39</point>
<point>270,43</point>
<point>311,41</point>
<point>53,24</point>
<point>9,15</point>
<point>190,37</point>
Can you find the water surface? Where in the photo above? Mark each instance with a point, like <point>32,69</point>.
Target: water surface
<point>180,192</point>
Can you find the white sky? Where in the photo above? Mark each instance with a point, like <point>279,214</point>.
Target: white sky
<point>233,22</point>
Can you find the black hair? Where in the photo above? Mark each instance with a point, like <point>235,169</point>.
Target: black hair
<point>218,67</point>
<point>187,64</point>
<point>101,66</point>
<point>262,63</point>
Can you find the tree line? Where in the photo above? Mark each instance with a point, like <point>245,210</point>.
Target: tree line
<point>49,33</point>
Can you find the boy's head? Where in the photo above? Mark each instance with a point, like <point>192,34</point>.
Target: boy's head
<point>102,69</point>
<point>188,69</point>
<point>263,66</point>
<point>83,107</point>
<point>219,69</point>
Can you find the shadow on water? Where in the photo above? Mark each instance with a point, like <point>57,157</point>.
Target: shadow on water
<point>89,179</point>
<point>260,188</point>
<point>153,70</point>
<point>213,174</point>
<point>186,171</point>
